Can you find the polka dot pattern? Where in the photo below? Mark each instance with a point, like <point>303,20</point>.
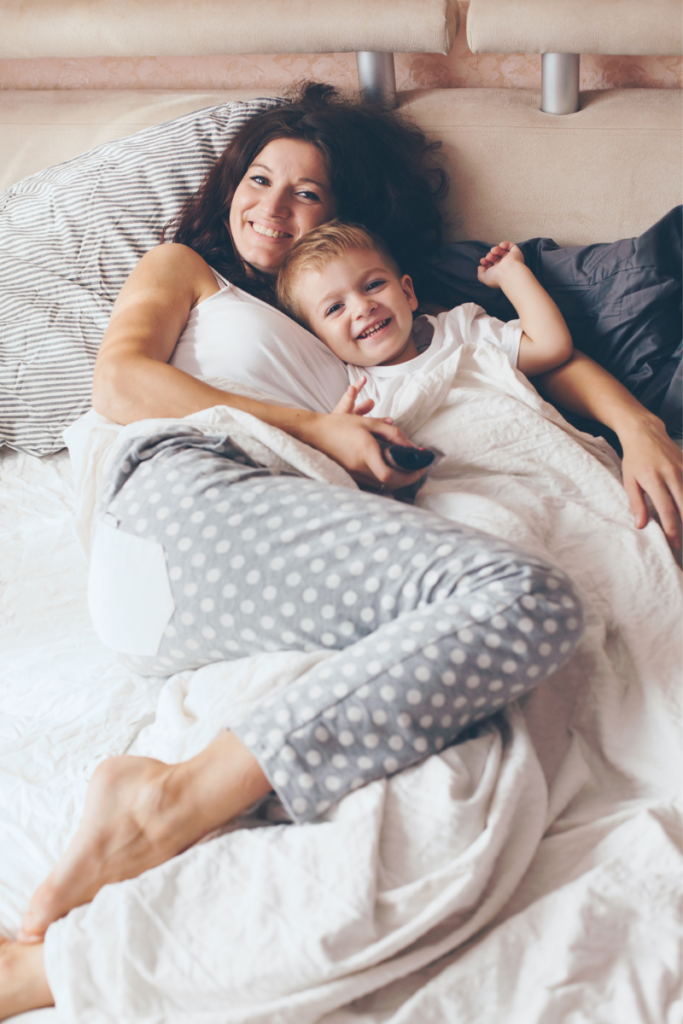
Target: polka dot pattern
<point>431,627</point>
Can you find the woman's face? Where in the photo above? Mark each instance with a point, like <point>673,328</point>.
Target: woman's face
<point>285,192</point>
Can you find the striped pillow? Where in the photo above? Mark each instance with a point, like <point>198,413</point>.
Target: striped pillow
<point>69,238</point>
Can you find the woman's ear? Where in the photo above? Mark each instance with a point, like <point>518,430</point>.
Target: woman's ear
<point>409,291</point>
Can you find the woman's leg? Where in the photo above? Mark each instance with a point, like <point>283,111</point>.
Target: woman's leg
<point>140,812</point>
<point>457,625</point>
<point>23,983</point>
<point>433,626</point>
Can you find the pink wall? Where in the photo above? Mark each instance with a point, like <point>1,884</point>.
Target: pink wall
<point>460,68</point>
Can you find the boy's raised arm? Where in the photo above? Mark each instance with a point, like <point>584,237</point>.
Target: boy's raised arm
<point>546,342</point>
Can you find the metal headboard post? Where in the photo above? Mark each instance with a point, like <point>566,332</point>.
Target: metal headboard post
<point>377,78</point>
<point>560,83</point>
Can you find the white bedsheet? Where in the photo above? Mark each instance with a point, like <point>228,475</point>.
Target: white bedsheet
<point>577,891</point>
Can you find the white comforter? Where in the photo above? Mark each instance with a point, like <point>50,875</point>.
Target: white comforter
<point>545,862</point>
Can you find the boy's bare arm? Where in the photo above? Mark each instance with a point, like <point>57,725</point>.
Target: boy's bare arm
<point>546,342</point>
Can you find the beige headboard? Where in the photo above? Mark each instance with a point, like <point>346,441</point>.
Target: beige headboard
<point>607,171</point>
<point>575,26</point>
<point>42,28</point>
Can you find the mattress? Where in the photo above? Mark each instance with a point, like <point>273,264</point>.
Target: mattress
<point>590,929</point>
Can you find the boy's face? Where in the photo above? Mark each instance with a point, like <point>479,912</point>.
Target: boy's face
<point>360,309</point>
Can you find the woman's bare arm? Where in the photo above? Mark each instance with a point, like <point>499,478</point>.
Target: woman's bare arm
<point>134,381</point>
<point>652,462</point>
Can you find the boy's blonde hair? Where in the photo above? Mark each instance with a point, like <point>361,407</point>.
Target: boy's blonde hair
<point>319,247</point>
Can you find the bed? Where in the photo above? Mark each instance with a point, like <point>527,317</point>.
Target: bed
<point>530,874</point>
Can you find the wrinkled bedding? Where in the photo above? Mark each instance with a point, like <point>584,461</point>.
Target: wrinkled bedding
<point>538,862</point>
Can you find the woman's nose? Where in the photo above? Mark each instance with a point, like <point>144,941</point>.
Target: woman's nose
<point>274,203</point>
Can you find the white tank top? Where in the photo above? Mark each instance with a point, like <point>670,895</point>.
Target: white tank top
<point>234,335</point>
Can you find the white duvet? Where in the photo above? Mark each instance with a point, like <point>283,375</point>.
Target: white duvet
<point>540,862</point>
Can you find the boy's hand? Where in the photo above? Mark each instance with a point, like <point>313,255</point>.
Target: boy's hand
<point>347,402</point>
<point>497,263</point>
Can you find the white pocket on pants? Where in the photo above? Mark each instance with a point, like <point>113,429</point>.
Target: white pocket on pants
<point>129,594</point>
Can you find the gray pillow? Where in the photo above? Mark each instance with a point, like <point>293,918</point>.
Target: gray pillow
<point>621,300</point>
<point>69,237</point>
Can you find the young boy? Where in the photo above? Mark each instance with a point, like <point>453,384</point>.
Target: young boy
<point>340,282</point>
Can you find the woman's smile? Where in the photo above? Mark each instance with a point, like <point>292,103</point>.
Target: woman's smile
<point>268,232</point>
<point>285,192</point>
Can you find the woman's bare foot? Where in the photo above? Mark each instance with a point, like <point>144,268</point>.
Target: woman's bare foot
<point>23,985</point>
<point>139,813</point>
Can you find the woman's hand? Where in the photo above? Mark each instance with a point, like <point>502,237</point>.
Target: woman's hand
<point>351,440</point>
<point>652,462</point>
<point>497,262</point>
<point>653,465</point>
<point>362,462</point>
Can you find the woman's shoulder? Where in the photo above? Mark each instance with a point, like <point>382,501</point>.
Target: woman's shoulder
<point>172,266</point>
<point>172,255</point>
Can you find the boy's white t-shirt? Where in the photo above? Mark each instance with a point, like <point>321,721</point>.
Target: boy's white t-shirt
<point>437,337</point>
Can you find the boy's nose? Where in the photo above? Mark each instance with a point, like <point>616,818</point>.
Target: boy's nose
<point>365,304</point>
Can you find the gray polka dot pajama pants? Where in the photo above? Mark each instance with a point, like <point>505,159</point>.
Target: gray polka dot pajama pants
<point>433,626</point>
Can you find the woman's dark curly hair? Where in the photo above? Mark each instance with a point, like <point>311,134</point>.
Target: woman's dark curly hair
<point>382,169</point>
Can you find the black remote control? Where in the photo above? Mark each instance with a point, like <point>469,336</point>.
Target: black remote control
<point>408,458</point>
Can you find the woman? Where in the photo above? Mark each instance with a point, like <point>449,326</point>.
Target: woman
<point>483,619</point>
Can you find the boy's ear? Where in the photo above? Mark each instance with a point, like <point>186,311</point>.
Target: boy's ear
<point>409,291</point>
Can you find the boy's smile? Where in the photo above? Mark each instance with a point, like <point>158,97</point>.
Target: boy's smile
<point>360,309</point>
